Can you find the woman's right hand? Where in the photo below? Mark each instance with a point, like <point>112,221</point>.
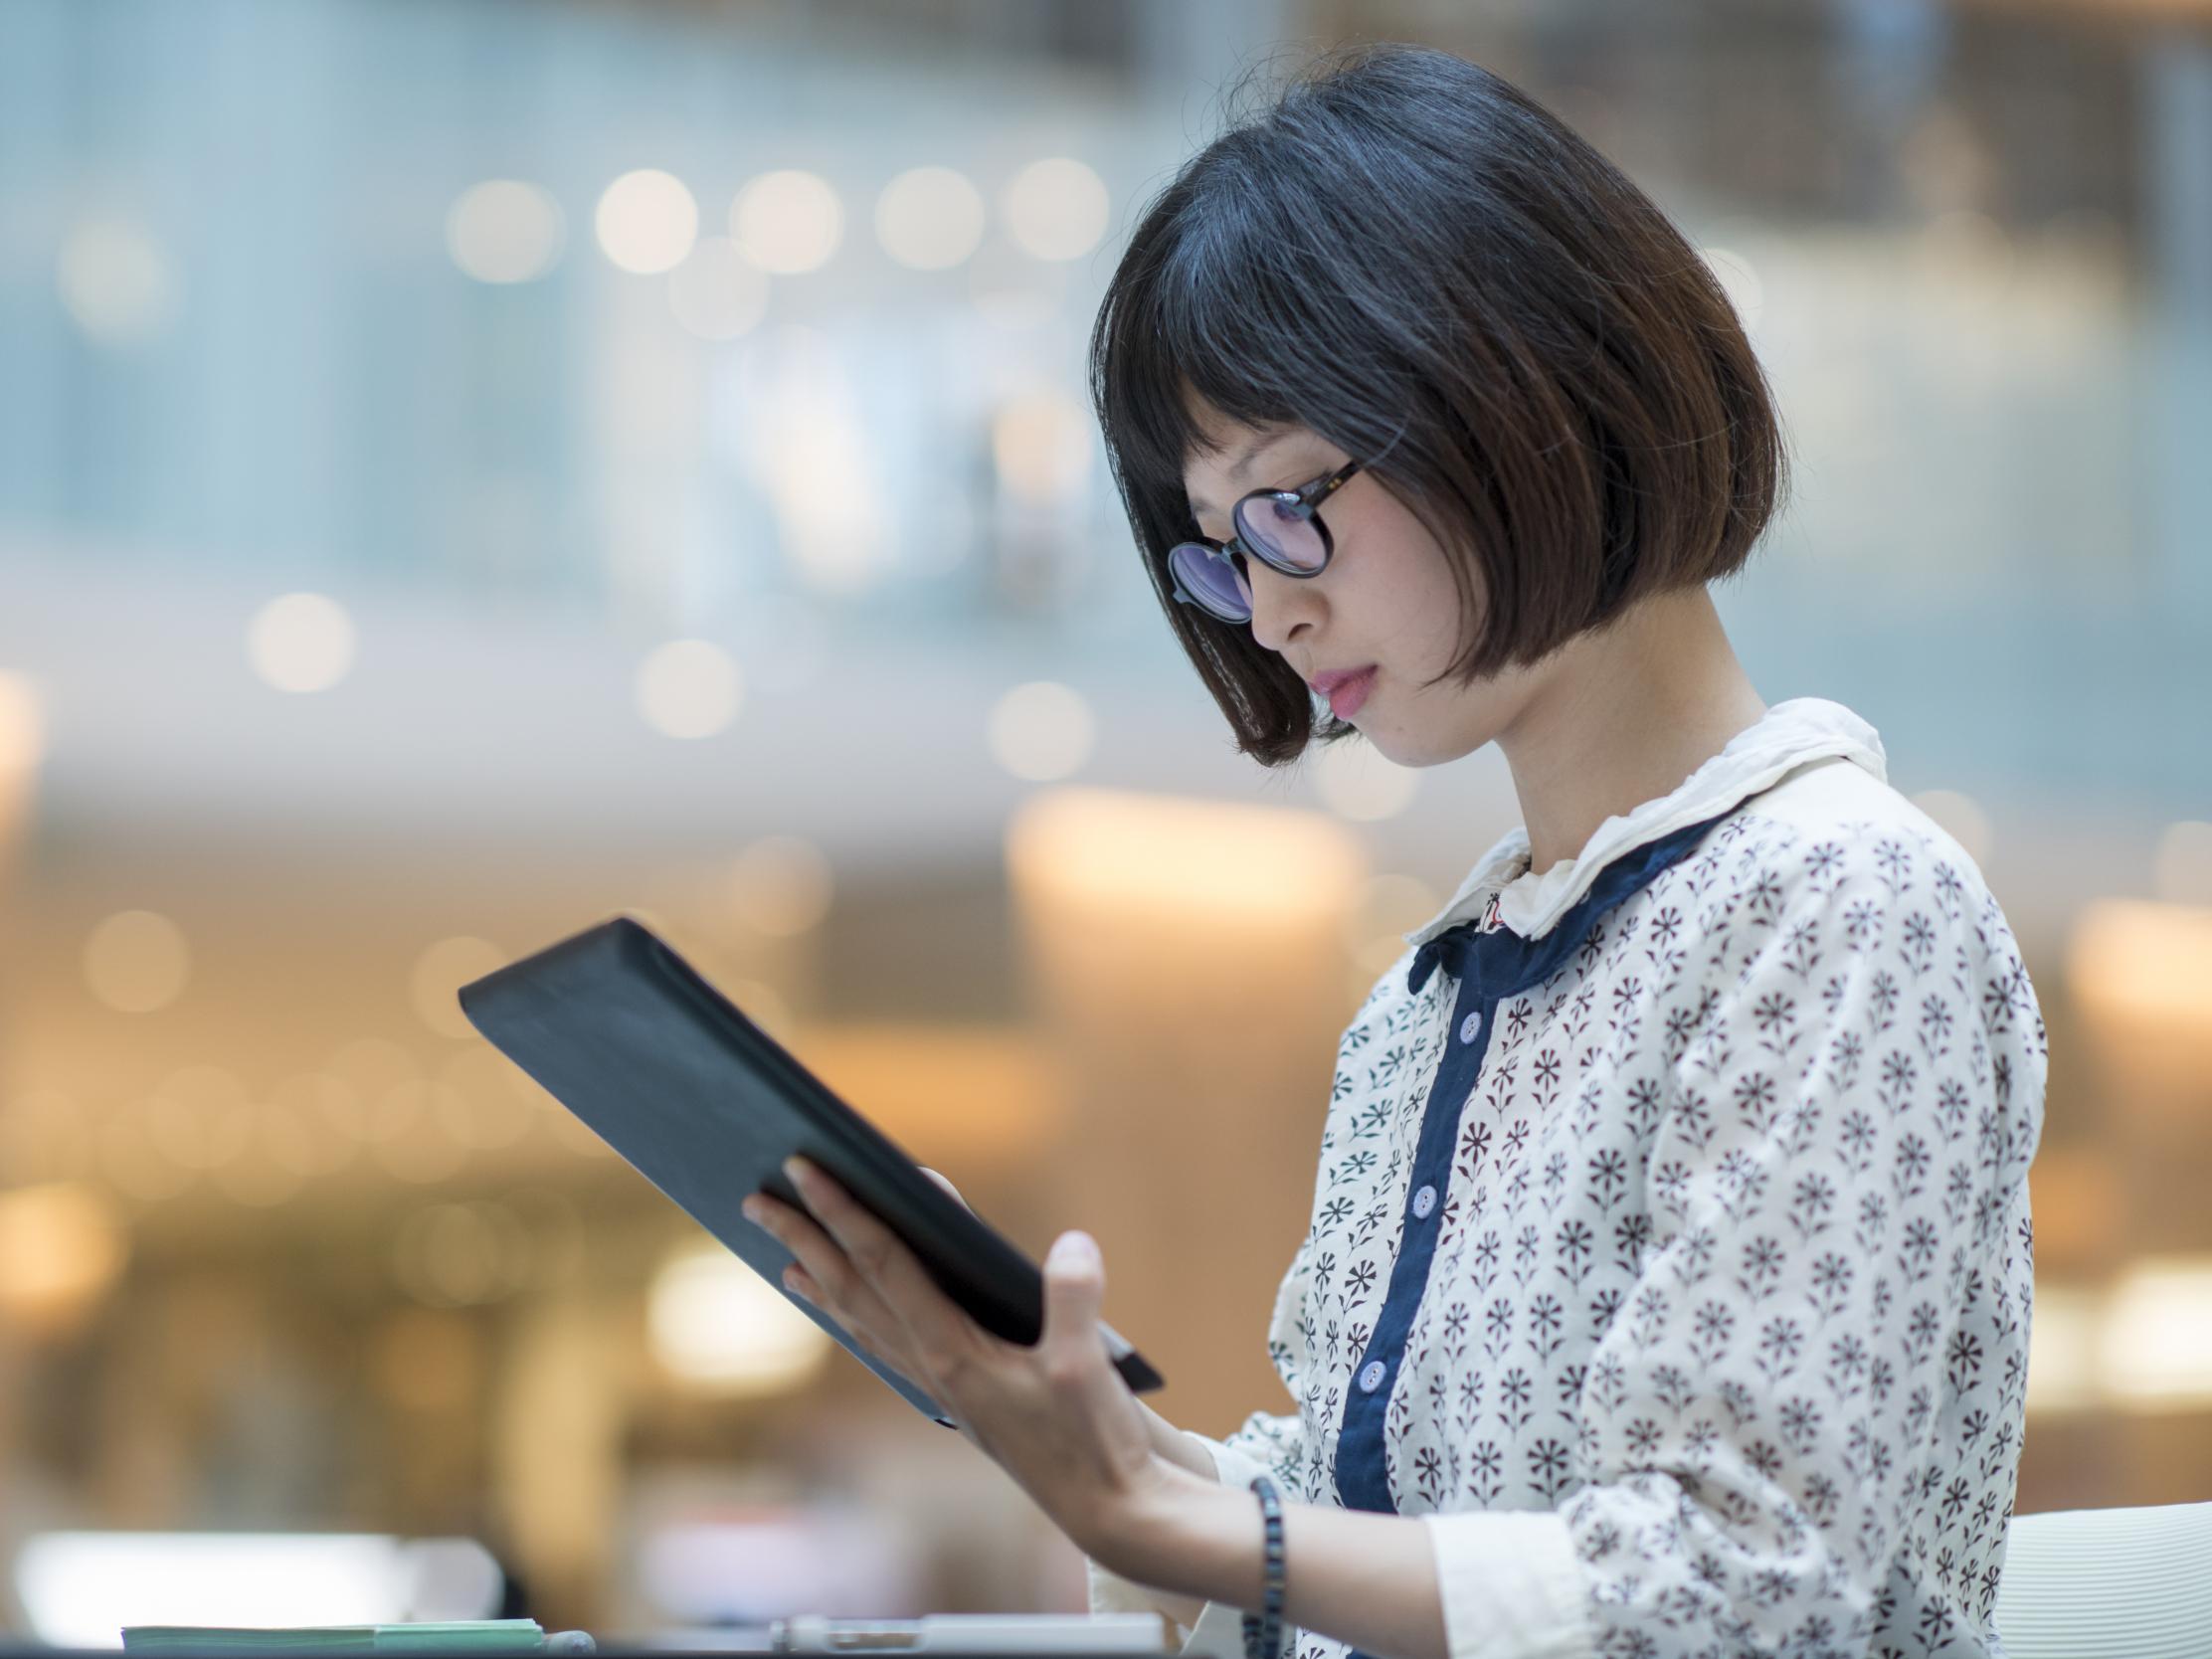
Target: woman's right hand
<point>882,1334</point>
<point>1168,1441</point>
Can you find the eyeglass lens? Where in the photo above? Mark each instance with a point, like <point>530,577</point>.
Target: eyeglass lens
<point>1281,531</point>
<point>1216,584</point>
<point>1272,527</point>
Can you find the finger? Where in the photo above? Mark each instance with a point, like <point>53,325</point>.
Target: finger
<point>1073,1352</point>
<point>940,1329</point>
<point>837,1289</point>
<point>948,1186</point>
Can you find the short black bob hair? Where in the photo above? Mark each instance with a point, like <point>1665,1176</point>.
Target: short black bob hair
<point>1401,238</point>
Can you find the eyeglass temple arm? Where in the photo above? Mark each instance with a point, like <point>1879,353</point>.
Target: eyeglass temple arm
<point>1322,489</point>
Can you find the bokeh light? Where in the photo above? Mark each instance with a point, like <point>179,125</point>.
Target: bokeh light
<point>60,1247</point>
<point>328,1114</point>
<point>1042,442</point>
<point>930,218</point>
<point>1041,731</point>
<point>781,885</point>
<point>810,454</point>
<point>448,1256</point>
<point>133,1163</point>
<point>1179,861</point>
<point>505,231</point>
<point>2156,1348</point>
<point>689,688</point>
<point>118,281</point>
<point>718,1326</point>
<point>22,748</point>
<point>367,1071</point>
<point>272,1165</point>
<point>200,1116</point>
<point>137,961</point>
<point>491,1102</point>
<point>646,222</point>
<point>420,1147</point>
<point>788,221</point>
<point>301,643</point>
<point>2146,965</point>
<point>1056,209</point>
<point>1357,781</point>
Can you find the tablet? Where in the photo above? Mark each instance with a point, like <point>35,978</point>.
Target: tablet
<point>706,1106</point>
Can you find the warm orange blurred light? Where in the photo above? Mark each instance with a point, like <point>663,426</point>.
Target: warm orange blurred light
<point>2077,1200</point>
<point>2156,1348</point>
<point>22,746</point>
<point>2144,963</point>
<point>2063,1334</point>
<point>1203,861</point>
<point>60,1247</point>
<point>966,1096</point>
<point>719,1328</point>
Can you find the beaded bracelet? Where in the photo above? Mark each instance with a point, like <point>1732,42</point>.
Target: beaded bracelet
<point>1263,1633</point>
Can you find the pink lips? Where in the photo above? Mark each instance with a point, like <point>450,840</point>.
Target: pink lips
<point>1347,695</point>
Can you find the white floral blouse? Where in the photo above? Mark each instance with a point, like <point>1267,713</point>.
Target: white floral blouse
<point>1671,1252</point>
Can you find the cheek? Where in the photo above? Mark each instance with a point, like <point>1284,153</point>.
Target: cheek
<point>1416,559</point>
<point>1428,610</point>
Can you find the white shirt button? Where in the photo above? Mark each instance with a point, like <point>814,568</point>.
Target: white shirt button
<point>1371,1376</point>
<point>1470,1025</point>
<point>1423,1201</point>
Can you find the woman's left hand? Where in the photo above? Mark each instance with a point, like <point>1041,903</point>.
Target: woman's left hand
<point>1057,1417</point>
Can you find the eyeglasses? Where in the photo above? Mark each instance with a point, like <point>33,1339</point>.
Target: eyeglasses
<point>1282,528</point>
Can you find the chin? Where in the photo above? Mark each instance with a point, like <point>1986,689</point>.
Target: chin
<point>1418,749</point>
<point>1401,749</point>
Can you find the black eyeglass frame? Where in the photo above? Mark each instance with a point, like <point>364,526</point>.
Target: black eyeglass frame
<point>1305,501</point>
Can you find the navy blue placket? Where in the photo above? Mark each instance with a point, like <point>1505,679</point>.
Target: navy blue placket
<point>1490,968</point>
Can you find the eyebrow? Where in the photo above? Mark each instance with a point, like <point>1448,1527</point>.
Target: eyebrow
<point>1265,441</point>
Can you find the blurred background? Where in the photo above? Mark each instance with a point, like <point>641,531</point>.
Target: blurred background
<point>470,466</point>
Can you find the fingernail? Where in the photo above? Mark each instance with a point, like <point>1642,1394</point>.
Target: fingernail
<point>795,1169</point>
<point>1076,1249</point>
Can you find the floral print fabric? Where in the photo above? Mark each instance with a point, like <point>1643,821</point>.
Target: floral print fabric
<point>1728,1254</point>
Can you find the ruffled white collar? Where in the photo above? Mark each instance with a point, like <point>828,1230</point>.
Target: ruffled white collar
<point>1787,736</point>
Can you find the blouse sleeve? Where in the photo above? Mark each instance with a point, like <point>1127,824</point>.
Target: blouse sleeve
<point>1838,1203</point>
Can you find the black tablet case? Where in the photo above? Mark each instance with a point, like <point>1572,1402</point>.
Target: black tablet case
<point>705,1105</point>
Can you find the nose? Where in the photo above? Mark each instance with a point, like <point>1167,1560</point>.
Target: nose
<point>1282,606</point>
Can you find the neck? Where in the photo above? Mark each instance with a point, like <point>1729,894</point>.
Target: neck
<point>1623,715</point>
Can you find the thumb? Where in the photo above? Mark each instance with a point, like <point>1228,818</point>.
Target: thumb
<point>948,1186</point>
<point>1074,1292</point>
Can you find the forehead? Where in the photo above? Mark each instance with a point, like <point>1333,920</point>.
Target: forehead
<point>1227,455</point>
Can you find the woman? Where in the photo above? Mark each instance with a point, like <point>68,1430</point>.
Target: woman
<point>1667,1285</point>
